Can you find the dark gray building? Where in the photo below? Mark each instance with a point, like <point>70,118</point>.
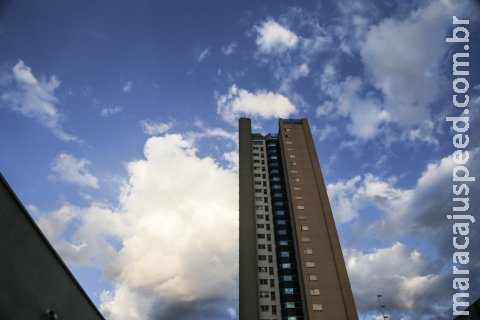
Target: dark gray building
<point>291,263</point>
<point>35,284</point>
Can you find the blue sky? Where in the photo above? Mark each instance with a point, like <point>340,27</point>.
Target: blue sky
<point>118,120</point>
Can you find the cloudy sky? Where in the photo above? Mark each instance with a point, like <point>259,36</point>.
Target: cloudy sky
<point>118,131</point>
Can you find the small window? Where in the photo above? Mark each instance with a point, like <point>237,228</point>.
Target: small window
<point>304,228</point>
<point>262,258</point>
<point>261,246</point>
<point>315,292</point>
<point>297,188</point>
<point>260,225</point>
<point>308,251</point>
<point>299,207</point>
<point>294,171</point>
<point>296,179</point>
<point>293,163</point>
<point>262,269</point>
<point>306,239</point>
<point>302,217</point>
<point>286,266</point>
<point>287,129</point>
<point>313,277</point>
<point>264,294</point>
<point>299,197</point>
<point>260,236</point>
<point>264,308</point>
<point>288,290</point>
<point>288,142</point>
<point>317,307</point>
<point>260,216</point>
<point>263,281</point>
<point>292,156</point>
<point>310,264</point>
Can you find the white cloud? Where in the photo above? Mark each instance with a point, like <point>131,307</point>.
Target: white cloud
<point>402,288</point>
<point>212,132</point>
<point>229,49</point>
<point>265,104</point>
<point>176,229</point>
<point>203,54</point>
<point>403,58</point>
<point>153,128</point>
<point>35,99</point>
<point>108,111</point>
<point>127,86</point>
<point>275,38</point>
<point>365,113</point>
<point>300,71</point>
<point>70,169</point>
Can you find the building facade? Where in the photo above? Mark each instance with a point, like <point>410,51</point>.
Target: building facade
<point>34,281</point>
<point>291,263</point>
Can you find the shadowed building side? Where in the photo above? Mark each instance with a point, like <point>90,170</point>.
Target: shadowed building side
<point>35,283</point>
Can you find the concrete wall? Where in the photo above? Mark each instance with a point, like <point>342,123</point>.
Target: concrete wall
<point>248,295</point>
<point>33,278</point>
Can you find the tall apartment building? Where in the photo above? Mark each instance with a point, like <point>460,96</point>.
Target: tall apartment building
<point>291,262</point>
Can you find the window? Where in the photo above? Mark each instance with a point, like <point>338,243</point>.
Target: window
<point>288,290</point>
<point>262,269</point>
<point>276,179</point>
<point>286,266</point>
<point>289,305</point>
<point>308,251</point>
<point>273,157</point>
<point>257,175</point>
<point>281,222</point>
<point>283,243</point>
<point>256,161</point>
<point>304,228</point>
<point>293,163</point>
<point>256,148</point>
<point>256,154</point>
<point>284,254</point>
<point>264,308</point>
<point>277,195</point>
<point>274,308</point>
<point>282,232</point>
<point>292,156</point>
<point>257,142</point>
<point>297,188</point>
<point>258,182</point>
<point>296,179</point>
<point>278,203</point>
<point>310,264</point>
<point>259,216</point>
<point>288,142</point>
<point>306,239</point>
<point>317,307</point>
<point>300,207</point>
<point>276,187</point>
<point>260,225</point>
<point>313,277</point>
<point>260,236</point>
<point>287,129</point>
<point>286,278</point>
<point>263,294</point>
<point>259,207</point>
<point>263,281</point>
<point>261,246</point>
<point>315,292</point>
<point>279,212</point>
<point>256,168</point>
<point>301,217</point>
<point>258,190</point>
<point>258,198</point>
<point>299,197</point>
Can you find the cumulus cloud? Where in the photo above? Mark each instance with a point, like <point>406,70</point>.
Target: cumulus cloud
<point>365,113</point>
<point>402,288</point>
<point>275,38</point>
<point>108,111</point>
<point>34,98</point>
<point>70,169</point>
<point>403,58</point>
<point>171,243</point>
<point>153,128</point>
<point>265,104</point>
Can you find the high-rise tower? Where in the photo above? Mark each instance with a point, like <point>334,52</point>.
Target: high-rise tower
<point>291,262</point>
